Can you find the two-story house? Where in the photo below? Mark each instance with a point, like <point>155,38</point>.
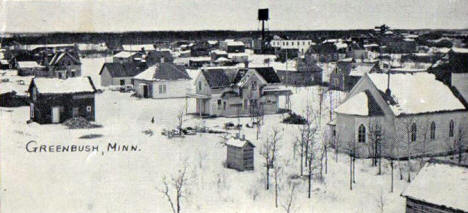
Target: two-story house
<point>233,92</point>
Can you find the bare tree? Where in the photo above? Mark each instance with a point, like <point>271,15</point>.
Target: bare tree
<point>180,121</point>
<point>278,168</point>
<point>257,115</point>
<point>269,151</point>
<point>179,185</point>
<point>375,137</point>
<point>409,127</point>
<point>425,133</point>
<point>351,146</point>
<point>288,205</point>
<point>308,134</point>
<point>460,140</point>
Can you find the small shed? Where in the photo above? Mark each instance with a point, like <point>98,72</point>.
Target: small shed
<point>240,153</point>
<point>439,187</point>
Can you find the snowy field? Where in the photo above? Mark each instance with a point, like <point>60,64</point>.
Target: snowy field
<point>131,181</point>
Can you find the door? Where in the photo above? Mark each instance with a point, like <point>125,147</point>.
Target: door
<point>75,111</point>
<point>122,82</point>
<point>145,91</point>
<point>55,114</point>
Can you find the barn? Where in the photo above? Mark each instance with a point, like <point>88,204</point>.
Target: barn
<point>240,153</point>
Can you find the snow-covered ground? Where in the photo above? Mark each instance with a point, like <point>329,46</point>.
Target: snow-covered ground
<point>131,181</point>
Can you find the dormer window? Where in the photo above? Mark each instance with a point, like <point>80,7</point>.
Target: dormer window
<point>254,85</point>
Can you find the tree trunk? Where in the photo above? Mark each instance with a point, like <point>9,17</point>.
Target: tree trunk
<point>350,172</point>
<point>276,189</point>
<point>391,184</point>
<point>354,169</point>
<point>326,160</point>
<point>178,203</point>
<point>267,177</point>
<point>310,180</point>
<point>302,159</point>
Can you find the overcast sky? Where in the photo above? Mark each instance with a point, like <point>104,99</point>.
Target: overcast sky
<point>72,15</point>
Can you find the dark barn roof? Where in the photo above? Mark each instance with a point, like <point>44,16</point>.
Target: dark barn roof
<point>122,69</point>
<point>216,78</point>
<point>269,74</point>
<point>169,71</point>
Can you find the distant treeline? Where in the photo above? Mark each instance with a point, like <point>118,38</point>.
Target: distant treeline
<point>113,38</point>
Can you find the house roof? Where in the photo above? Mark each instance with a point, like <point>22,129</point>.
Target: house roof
<point>416,93</point>
<point>216,78</point>
<point>268,73</point>
<point>356,105</point>
<point>237,142</point>
<point>63,86</point>
<point>442,184</point>
<point>164,71</point>
<point>61,55</point>
<point>125,54</point>
<point>137,47</point>
<point>460,50</point>
<point>361,69</point>
<point>122,69</point>
<point>28,64</point>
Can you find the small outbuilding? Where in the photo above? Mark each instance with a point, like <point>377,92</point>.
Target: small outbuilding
<point>240,153</point>
<point>439,187</point>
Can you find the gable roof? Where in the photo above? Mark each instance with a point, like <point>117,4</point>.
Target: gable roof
<point>122,69</point>
<point>361,69</point>
<point>63,86</point>
<point>126,54</point>
<point>237,142</point>
<point>164,71</point>
<point>416,93</point>
<point>362,104</point>
<point>28,64</point>
<point>60,56</point>
<point>268,73</point>
<point>442,184</point>
<point>216,78</point>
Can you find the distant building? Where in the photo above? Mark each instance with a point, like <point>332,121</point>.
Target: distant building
<point>300,74</point>
<point>159,56</point>
<point>119,73</point>
<point>301,45</point>
<point>347,73</point>
<point>128,57</point>
<point>163,80</point>
<point>29,68</point>
<point>64,65</point>
<point>197,62</point>
<point>397,107</point>
<point>56,100</point>
<point>240,153</point>
<point>439,187</point>
<point>231,46</point>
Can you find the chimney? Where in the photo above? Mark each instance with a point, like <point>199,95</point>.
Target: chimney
<point>243,137</point>
<point>388,91</point>
<point>237,136</point>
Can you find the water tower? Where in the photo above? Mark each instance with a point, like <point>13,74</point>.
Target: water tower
<point>263,17</point>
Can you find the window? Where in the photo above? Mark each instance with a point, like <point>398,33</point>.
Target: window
<point>31,110</point>
<point>162,89</point>
<point>433,129</point>
<point>246,103</point>
<point>413,132</point>
<point>362,134</point>
<point>199,86</point>
<point>219,104</point>
<point>451,127</point>
<point>254,85</point>
<point>88,108</point>
<point>122,82</point>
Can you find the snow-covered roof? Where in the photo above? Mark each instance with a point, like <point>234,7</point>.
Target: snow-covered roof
<point>202,58</point>
<point>341,45</point>
<point>219,52</point>
<point>138,47</point>
<point>460,50</point>
<point>61,86</point>
<point>361,69</point>
<point>3,61</point>
<point>238,142</point>
<point>417,93</point>
<point>163,72</point>
<point>234,43</point>
<point>441,184</point>
<point>290,65</point>
<point>28,64</point>
<point>356,105</point>
<point>124,54</point>
<point>222,59</point>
